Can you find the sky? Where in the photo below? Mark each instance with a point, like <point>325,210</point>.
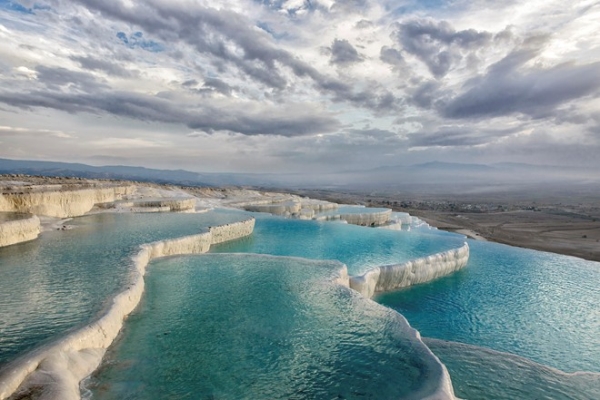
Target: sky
<point>300,85</point>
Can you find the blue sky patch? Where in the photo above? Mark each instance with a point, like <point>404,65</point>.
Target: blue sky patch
<point>14,6</point>
<point>420,5</point>
<point>265,27</point>
<point>136,39</point>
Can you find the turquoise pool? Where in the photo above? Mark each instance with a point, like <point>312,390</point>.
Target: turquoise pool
<point>253,326</point>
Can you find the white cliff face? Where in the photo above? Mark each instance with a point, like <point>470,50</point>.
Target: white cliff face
<point>392,226</point>
<point>287,208</point>
<point>236,230</point>
<point>421,270</point>
<point>364,219</point>
<point>175,204</point>
<point>18,231</point>
<point>55,370</point>
<point>397,220</point>
<point>295,207</point>
<point>61,203</point>
<point>368,219</point>
<point>180,204</point>
<point>402,218</point>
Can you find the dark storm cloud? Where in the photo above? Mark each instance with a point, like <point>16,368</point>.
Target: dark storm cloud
<point>343,53</point>
<point>437,44</point>
<point>95,64</point>
<point>295,122</point>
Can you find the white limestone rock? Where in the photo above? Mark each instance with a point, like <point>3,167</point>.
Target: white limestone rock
<point>18,231</point>
<point>421,270</point>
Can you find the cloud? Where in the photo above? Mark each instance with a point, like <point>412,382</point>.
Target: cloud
<point>392,56</point>
<point>290,121</point>
<point>210,87</point>
<point>224,34</point>
<point>15,6</point>
<point>456,135</point>
<point>535,91</point>
<point>26,72</point>
<point>426,94</point>
<point>437,43</point>
<point>364,24</point>
<point>136,143</point>
<point>14,131</point>
<point>137,39</point>
<point>296,82</point>
<point>366,147</point>
<point>351,6</point>
<point>92,63</point>
<point>343,53</point>
<point>55,78</point>
<point>217,85</point>
<point>232,39</point>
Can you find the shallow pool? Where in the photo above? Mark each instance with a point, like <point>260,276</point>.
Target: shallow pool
<point>63,279</point>
<point>259,327</point>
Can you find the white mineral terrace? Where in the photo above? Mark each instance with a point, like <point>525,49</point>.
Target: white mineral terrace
<point>175,204</point>
<point>54,371</point>
<point>367,218</point>
<point>304,208</point>
<point>66,201</point>
<point>61,203</point>
<point>294,207</point>
<point>421,270</point>
<point>20,230</point>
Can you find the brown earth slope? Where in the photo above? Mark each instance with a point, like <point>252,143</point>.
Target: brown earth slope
<point>548,230</point>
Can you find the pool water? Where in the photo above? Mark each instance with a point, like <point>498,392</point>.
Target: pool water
<point>358,247</point>
<point>481,373</point>
<point>538,305</point>
<point>259,327</point>
<point>63,279</point>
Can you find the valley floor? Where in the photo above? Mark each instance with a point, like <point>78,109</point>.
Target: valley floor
<point>539,230</point>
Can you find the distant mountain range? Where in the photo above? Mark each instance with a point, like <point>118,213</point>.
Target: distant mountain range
<point>51,168</point>
<point>180,177</point>
<point>426,176</point>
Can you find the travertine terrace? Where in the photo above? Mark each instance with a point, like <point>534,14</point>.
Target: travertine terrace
<point>19,230</point>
